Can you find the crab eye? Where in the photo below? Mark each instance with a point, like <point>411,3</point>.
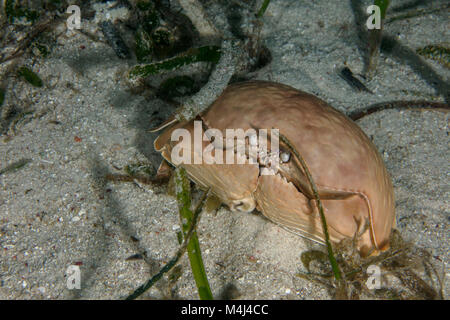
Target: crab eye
<point>285,156</point>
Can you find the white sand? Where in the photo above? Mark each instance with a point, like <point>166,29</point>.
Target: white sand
<point>55,213</point>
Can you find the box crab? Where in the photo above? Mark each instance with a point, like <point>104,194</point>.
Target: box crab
<point>353,183</point>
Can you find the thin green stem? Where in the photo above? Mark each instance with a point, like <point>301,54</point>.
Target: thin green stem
<point>196,218</point>
<point>334,265</point>
<point>263,8</point>
<point>383,4</point>
<point>417,13</point>
<point>375,36</point>
<point>206,53</point>
<point>193,247</point>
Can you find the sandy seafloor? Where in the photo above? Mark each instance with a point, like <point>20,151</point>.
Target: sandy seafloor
<point>55,212</point>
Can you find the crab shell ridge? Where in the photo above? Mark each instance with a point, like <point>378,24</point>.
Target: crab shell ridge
<point>353,183</point>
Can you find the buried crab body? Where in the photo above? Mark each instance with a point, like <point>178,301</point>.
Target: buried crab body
<point>353,184</point>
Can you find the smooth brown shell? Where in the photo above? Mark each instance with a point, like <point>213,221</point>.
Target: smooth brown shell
<point>353,182</point>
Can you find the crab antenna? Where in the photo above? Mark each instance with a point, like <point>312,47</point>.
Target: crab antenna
<point>172,120</point>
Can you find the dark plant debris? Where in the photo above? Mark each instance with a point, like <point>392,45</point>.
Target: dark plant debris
<point>114,39</point>
<point>2,96</point>
<point>136,256</point>
<point>348,76</point>
<point>15,11</point>
<point>29,76</point>
<point>403,261</point>
<point>417,13</point>
<point>15,166</point>
<point>439,53</point>
<point>177,87</point>
<point>417,104</point>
